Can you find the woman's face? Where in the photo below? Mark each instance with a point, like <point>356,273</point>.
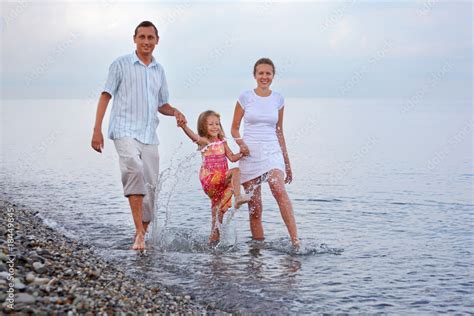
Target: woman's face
<point>264,75</point>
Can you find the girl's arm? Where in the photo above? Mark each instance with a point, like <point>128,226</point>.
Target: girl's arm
<point>281,140</point>
<point>201,141</point>
<point>230,155</point>
<point>238,115</point>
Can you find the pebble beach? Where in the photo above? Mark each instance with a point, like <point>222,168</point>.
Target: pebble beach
<point>44,272</point>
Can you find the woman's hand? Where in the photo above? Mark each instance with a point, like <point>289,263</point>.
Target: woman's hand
<point>289,174</point>
<point>244,149</point>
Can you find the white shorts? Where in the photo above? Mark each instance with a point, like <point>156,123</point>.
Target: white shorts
<point>139,166</point>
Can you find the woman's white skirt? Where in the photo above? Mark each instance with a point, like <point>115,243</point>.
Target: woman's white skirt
<point>264,156</point>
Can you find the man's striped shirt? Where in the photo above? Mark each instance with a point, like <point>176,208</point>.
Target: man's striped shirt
<point>138,90</point>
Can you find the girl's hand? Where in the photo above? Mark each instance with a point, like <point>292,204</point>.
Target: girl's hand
<point>289,174</point>
<point>244,149</point>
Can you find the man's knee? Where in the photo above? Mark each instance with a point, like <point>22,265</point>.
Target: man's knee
<point>133,179</point>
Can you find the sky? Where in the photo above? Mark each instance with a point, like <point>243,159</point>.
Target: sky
<point>334,49</point>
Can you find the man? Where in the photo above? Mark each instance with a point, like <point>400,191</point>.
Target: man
<point>138,85</point>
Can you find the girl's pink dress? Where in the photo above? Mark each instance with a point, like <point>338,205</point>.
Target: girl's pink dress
<point>213,175</point>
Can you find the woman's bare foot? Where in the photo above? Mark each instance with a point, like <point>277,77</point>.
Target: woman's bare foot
<point>241,199</point>
<point>213,242</point>
<point>296,244</point>
<point>139,243</point>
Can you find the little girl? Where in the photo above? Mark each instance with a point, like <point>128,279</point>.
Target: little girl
<point>218,181</point>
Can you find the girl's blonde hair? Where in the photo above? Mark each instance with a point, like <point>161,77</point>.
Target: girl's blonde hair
<point>202,124</point>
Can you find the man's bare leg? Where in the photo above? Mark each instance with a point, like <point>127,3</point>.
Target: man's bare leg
<point>145,226</point>
<point>136,204</point>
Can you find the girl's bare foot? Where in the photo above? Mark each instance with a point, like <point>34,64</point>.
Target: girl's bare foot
<point>241,199</point>
<point>214,238</point>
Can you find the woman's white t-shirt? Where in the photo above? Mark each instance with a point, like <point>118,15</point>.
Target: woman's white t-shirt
<point>260,120</point>
<point>261,115</point>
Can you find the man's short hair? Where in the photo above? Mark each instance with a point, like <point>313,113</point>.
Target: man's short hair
<point>146,24</point>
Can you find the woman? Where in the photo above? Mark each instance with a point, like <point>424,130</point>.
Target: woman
<point>263,144</point>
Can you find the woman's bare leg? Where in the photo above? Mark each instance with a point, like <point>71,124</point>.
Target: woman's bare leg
<point>255,208</point>
<point>276,181</point>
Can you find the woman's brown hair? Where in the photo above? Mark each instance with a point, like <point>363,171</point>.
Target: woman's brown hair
<point>263,61</point>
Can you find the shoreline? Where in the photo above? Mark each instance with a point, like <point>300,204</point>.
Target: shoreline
<point>42,271</point>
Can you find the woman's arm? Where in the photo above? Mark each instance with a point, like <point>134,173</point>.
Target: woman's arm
<point>281,140</point>
<point>238,115</point>
<point>201,141</point>
<point>230,155</point>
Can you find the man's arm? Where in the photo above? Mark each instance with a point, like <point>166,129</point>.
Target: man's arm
<point>168,110</point>
<point>97,142</point>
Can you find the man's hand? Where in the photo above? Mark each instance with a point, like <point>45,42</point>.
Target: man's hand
<point>180,118</point>
<point>97,141</point>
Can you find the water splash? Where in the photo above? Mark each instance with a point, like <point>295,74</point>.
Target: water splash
<point>166,238</point>
<point>307,247</point>
<point>178,172</point>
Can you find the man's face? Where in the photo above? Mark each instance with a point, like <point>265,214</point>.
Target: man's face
<point>146,40</point>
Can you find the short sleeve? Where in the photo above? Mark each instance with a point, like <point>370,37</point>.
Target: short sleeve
<point>113,79</point>
<point>281,102</point>
<point>163,95</point>
<point>243,100</point>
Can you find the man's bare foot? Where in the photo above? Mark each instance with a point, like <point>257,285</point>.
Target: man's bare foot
<point>241,199</point>
<point>139,243</point>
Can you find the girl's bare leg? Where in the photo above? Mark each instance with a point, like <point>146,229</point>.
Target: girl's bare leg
<point>255,208</point>
<point>215,233</point>
<point>234,175</point>
<point>214,237</point>
<point>277,186</point>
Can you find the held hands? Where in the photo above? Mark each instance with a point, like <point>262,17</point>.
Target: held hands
<point>180,118</point>
<point>244,150</point>
<point>97,142</point>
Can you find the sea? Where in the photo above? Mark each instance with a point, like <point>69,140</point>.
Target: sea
<point>382,195</point>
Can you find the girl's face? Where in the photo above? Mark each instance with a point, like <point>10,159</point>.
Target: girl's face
<point>213,126</point>
<point>264,75</point>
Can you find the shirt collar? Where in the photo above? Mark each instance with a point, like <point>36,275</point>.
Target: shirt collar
<point>135,59</point>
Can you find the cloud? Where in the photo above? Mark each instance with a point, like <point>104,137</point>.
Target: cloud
<point>318,43</point>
